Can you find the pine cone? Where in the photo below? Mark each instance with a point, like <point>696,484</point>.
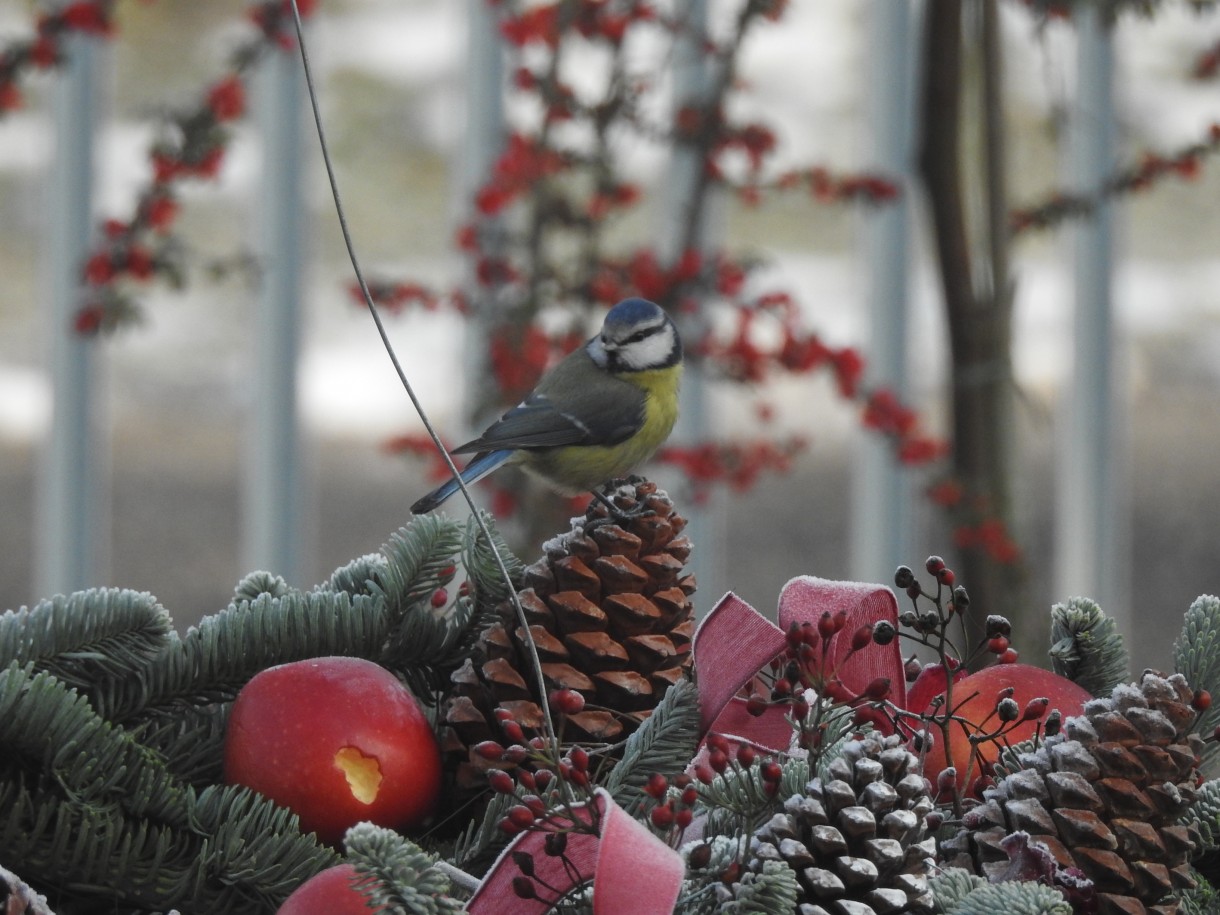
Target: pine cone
<point>857,840</point>
<point>609,609</point>
<point>1104,797</point>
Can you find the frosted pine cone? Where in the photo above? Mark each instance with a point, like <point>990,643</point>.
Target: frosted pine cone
<point>609,609</point>
<point>858,840</point>
<point>1104,797</point>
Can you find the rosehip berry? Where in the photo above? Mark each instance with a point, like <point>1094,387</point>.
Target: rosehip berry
<point>440,597</point>
<point>1035,708</point>
<point>998,645</point>
<point>500,781</point>
<point>656,786</point>
<point>489,750</point>
<point>690,795</point>
<point>580,758</point>
<point>512,731</point>
<point>1202,700</point>
<point>756,705</point>
<point>826,625</point>
<point>718,760</point>
<point>862,637</point>
<point>683,818</point>
<point>662,816</point>
<point>934,564</point>
<point>771,771</point>
<point>946,577</point>
<point>1008,657</point>
<point>745,756</point>
<point>520,816</point>
<point>567,701</point>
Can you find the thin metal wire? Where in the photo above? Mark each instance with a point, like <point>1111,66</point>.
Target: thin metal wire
<point>535,660</point>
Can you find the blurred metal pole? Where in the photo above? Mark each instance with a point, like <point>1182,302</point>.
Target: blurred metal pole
<point>881,512</point>
<point>692,77</point>
<point>272,517</point>
<point>483,144</point>
<point>72,505</point>
<point>1089,523</point>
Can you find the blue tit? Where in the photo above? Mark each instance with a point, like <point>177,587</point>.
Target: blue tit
<point>596,416</point>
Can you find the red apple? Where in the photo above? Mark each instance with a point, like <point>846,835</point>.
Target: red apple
<point>338,741</point>
<point>1028,683</point>
<point>332,892</point>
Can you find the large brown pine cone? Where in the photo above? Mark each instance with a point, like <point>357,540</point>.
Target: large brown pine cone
<point>1105,796</point>
<point>858,839</point>
<point>609,609</point>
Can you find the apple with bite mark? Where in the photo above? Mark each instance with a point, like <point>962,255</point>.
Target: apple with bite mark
<point>338,741</point>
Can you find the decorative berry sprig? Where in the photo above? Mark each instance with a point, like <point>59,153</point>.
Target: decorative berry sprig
<point>1185,163</point>
<point>45,51</point>
<point>190,145</point>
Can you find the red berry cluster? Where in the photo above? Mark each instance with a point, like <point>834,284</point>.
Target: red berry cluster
<point>722,758</point>
<point>1186,163</point>
<point>824,187</point>
<point>45,50</point>
<point>811,668</point>
<point>674,809</point>
<point>191,144</point>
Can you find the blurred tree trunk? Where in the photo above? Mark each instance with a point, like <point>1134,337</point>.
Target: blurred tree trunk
<point>962,164</point>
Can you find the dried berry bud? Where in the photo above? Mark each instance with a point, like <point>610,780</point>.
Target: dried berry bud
<point>946,782</point>
<point>525,862</point>
<point>961,599</point>
<point>908,618</point>
<point>523,887</point>
<point>555,844</point>
<point>1007,709</point>
<point>914,591</point>
<point>934,564</point>
<point>1053,723</point>
<point>756,705</point>
<point>930,621</point>
<point>904,577</point>
<point>998,625</point>
<point>912,669</point>
<point>884,632</point>
<point>700,856</point>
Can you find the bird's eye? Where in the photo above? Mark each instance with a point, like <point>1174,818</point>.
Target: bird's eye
<point>637,337</point>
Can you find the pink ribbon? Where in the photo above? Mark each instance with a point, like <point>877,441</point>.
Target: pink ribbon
<point>734,642</point>
<point>631,869</point>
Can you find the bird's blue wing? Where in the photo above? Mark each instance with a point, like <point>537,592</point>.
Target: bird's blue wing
<point>576,404</point>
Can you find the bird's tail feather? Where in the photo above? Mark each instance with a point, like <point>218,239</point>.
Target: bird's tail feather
<point>480,466</point>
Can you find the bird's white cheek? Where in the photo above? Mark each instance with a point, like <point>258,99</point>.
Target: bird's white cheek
<point>648,353</point>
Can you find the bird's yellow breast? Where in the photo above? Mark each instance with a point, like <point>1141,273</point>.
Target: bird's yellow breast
<point>578,468</point>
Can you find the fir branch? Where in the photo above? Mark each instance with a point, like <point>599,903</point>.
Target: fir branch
<point>951,885</point>
<point>1202,900</point>
<point>427,647</point>
<point>418,556</point>
<point>217,657</point>
<point>482,840</point>
<point>49,729</point>
<point>100,634</point>
<point>1012,898</point>
<point>737,801</point>
<point>481,566</point>
<point>251,854</point>
<point>403,876</point>
<point>1196,655</point>
<point>1087,648</point>
<point>774,891</point>
<point>1204,813</point>
<point>357,576</point>
<point>256,584</point>
<point>663,744</point>
<point>190,741</point>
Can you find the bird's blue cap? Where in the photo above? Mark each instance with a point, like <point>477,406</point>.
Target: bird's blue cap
<point>632,311</point>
